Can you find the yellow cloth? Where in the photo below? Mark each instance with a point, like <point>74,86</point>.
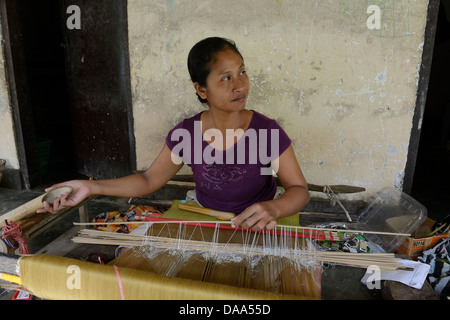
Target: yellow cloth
<point>59,278</point>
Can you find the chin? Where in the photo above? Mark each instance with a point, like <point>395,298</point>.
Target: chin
<point>241,105</point>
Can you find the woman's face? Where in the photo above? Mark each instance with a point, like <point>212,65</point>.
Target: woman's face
<point>227,84</point>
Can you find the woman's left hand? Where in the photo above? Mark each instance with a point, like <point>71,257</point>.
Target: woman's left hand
<point>259,216</point>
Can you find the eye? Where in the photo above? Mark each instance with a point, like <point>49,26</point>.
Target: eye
<point>226,78</point>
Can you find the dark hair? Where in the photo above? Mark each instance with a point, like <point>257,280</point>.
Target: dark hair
<point>202,56</point>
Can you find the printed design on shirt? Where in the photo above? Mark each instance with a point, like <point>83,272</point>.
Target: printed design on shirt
<point>219,174</point>
<point>258,146</point>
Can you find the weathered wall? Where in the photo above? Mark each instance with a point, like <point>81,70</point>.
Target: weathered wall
<point>343,92</point>
<point>8,149</point>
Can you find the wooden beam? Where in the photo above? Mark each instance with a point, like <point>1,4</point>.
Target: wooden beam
<point>338,188</point>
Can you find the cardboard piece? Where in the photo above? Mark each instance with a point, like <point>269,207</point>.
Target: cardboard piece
<point>418,242</point>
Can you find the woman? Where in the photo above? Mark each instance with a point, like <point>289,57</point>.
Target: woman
<point>219,144</point>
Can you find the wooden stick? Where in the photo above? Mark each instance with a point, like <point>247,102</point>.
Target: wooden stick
<point>206,211</point>
<point>337,188</point>
<point>327,189</point>
<point>103,235</point>
<point>363,260</point>
<point>312,187</point>
<point>228,222</point>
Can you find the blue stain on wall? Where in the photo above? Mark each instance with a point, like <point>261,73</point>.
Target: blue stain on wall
<point>170,4</point>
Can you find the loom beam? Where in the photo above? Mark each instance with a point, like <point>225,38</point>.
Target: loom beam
<point>137,284</point>
<point>29,208</point>
<point>23,211</point>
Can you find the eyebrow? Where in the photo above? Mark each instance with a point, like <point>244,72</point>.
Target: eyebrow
<point>226,72</point>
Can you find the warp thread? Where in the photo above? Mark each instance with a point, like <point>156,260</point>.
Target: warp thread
<point>241,259</point>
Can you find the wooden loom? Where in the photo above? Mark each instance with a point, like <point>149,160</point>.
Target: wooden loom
<point>200,248</point>
<point>220,281</point>
<point>282,261</point>
<point>46,276</point>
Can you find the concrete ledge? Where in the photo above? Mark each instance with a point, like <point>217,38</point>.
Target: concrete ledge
<point>11,179</point>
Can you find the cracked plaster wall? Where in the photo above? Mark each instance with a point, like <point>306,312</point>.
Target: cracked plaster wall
<point>344,93</point>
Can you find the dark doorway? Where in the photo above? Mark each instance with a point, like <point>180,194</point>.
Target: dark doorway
<point>45,63</point>
<point>432,173</point>
<point>37,78</point>
<point>69,89</point>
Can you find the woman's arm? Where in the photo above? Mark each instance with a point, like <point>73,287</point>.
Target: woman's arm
<point>155,177</point>
<point>263,215</point>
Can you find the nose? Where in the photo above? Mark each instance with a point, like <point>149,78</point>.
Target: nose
<point>239,83</point>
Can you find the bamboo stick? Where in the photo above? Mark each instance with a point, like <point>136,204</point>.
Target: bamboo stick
<point>384,261</point>
<point>206,211</point>
<point>280,227</point>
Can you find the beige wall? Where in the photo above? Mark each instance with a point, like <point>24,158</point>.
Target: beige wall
<point>343,92</point>
<point>8,149</point>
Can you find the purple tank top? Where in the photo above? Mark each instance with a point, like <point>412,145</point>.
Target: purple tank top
<point>233,179</point>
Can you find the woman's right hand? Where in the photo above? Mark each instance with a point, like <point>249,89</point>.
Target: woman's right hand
<point>80,191</point>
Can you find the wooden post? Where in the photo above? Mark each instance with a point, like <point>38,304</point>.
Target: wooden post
<point>83,212</point>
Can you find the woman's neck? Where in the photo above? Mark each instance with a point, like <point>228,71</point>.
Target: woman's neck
<point>235,122</point>
<point>216,119</point>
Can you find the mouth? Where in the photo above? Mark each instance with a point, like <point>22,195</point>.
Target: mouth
<point>240,99</point>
